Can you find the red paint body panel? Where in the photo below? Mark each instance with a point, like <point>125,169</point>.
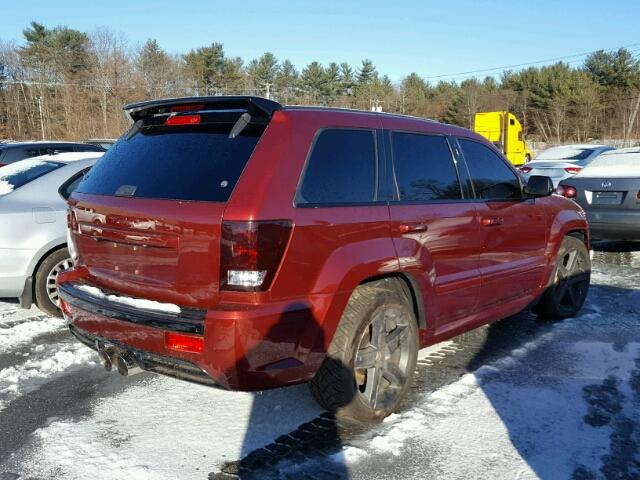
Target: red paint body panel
<point>466,273</point>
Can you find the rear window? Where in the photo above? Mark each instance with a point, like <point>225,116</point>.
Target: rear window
<point>340,169</point>
<point>20,173</point>
<point>565,153</point>
<point>178,163</point>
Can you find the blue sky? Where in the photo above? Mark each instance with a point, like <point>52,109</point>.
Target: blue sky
<point>428,37</point>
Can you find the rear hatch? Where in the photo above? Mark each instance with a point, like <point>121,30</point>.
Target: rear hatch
<point>607,194</point>
<point>146,221</point>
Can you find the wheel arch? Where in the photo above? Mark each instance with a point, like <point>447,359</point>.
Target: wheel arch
<point>409,285</point>
<point>43,256</point>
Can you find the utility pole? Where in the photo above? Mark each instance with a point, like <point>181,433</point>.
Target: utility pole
<point>268,90</point>
<point>632,120</point>
<point>41,118</point>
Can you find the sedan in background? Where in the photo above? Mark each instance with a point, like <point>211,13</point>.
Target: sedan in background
<point>563,162</point>
<point>609,192</point>
<point>33,225</point>
<point>11,152</point>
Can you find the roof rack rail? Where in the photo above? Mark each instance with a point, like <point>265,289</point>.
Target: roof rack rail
<point>255,106</point>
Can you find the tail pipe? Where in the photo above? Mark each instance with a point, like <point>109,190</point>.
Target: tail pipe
<point>124,362</point>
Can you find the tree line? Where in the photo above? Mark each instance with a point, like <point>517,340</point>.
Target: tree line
<point>62,83</point>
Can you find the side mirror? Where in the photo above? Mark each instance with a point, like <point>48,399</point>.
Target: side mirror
<point>539,186</point>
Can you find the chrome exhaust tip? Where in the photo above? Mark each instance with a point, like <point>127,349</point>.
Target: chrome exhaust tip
<point>126,364</point>
<point>106,357</point>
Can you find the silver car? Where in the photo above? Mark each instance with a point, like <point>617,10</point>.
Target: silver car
<point>609,192</point>
<point>563,162</point>
<point>33,225</point>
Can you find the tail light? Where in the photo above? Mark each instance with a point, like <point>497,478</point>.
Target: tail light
<point>573,170</point>
<point>638,196</point>
<point>525,169</point>
<point>567,191</point>
<point>2,164</point>
<point>183,343</point>
<point>182,120</point>
<point>251,253</point>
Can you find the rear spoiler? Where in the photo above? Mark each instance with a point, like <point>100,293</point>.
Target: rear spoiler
<point>257,107</point>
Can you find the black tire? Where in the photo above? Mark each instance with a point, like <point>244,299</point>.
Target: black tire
<point>339,386</point>
<point>569,284</point>
<point>42,281</point>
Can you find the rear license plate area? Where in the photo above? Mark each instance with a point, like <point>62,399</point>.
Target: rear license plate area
<point>607,198</point>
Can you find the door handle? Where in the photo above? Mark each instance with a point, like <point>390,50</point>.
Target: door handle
<point>413,227</point>
<point>491,221</point>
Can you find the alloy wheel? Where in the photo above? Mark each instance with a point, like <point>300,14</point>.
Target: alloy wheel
<point>52,288</point>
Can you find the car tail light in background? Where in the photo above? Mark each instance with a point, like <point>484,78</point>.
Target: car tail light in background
<point>573,170</point>
<point>183,343</point>
<point>2,164</point>
<point>525,169</point>
<point>251,253</point>
<point>183,120</point>
<point>567,191</point>
<point>638,196</point>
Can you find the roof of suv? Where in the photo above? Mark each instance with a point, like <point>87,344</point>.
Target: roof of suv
<point>254,105</point>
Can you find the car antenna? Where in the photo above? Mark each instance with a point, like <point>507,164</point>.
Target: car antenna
<point>240,125</point>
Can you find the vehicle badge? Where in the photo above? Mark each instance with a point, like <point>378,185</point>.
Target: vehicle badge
<point>606,184</point>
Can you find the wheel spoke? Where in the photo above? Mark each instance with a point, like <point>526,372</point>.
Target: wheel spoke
<point>394,375</point>
<point>395,338</point>
<point>378,331</point>
<point>373,388</point>
<point>365,357</point>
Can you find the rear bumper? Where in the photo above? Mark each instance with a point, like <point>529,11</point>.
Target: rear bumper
<point>614,225</point>
<point>246,347</point>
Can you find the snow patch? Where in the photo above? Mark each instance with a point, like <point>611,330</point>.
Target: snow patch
<point>129,301</point>
<point>25,332</point>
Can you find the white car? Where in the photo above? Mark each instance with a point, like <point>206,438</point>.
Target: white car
<point>563,162</point>
<point>33,225</point>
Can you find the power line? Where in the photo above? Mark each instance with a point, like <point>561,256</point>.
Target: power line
<point>537,62</point>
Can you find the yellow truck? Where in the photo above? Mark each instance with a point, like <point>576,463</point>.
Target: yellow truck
<point>505,131</point>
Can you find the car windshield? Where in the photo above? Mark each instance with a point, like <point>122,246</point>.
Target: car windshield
<point>20,173</point>
<point>565,153</point>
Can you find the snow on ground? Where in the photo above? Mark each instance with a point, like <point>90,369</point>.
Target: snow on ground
<point>47,363</point>
<point>165,429</point>
<point>21,332</point>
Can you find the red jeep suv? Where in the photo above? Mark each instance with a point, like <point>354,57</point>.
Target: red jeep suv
<point>239,243</point>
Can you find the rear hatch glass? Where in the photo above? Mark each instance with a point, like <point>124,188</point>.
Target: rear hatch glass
<point>177,163</point>
<point>20,173</point>
<point>149,213</point>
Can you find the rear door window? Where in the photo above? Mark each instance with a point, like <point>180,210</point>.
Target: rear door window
<point>424,168</point>
<point>17,174</point>
<point>180,163</point>
<point>341,168</point>
<point>492,178</point>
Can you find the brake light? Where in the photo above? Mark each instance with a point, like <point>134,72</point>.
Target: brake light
<point>251,252</point>
<point>183,343</point>
<point>2,164</point>
<point>567,191</point>
<point>573,170</point>
<point>186,108</point>
<point>525,169</point>
<point>183,120</point>
<point>638,196</point>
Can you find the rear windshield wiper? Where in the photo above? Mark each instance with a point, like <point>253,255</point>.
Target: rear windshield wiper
<point>240,125</point>
<point>135,129</point>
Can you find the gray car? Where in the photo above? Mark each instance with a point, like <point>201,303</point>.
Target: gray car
<point>609,192</point>
<point>33,225</point>
<point>563,162</point>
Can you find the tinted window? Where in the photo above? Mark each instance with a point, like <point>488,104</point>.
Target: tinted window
<point>341,168</point>
<point>182,163</point>
<point>424,168</point>
<point>70,185</point>
<point>492,178</point>
<point>20,173</point>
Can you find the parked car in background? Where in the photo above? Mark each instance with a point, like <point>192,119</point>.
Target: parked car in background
<point>105,143</point>
<point>15,151</point>
<point>563,162</point>
<point>313,244</point>
<point>33,225</point>
<point>609,192</point>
